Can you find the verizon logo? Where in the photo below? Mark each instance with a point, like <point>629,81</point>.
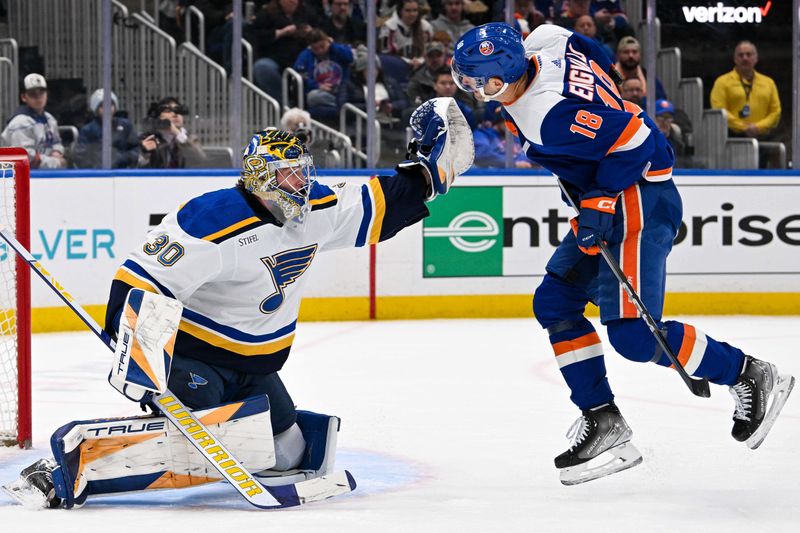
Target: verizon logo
<point>726,14</point>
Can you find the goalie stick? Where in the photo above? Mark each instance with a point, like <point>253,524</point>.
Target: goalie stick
<point>261,496</point>
<point>698,386</point>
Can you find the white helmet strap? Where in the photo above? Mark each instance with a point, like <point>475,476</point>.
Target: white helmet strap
<point>488,98</point>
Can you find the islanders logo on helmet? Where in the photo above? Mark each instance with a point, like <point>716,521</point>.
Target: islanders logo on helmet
<point>493,50</point>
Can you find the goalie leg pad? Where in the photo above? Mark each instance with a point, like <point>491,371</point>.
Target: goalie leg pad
<point>144,453</point>
<point>320,433</point>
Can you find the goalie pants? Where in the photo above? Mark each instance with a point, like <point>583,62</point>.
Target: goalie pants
<point>201,385</point>
<point>646,222</point>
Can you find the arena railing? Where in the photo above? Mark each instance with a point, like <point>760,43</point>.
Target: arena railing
<point>203,87</point>
<point>259,110</point>
<point>194,12</point>
<point>359,130</point>
<point>247,57</point>
<point>339,152</point>
<point>740,154</point>
<point>8,87</point>
<point>9,80</point>
<point>668,70</point>
<point>634,10</point>
<point>690,98</point>
<point>291,77</point>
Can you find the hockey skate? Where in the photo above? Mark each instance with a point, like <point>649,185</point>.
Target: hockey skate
<point>34,486</point>
<point>760,394</point>
<point>600,446</point>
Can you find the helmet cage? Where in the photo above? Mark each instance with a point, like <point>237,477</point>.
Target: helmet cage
<point>269,179</point>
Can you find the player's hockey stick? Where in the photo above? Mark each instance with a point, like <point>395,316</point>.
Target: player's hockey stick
<point>698,386</point>
<point>264,497</point>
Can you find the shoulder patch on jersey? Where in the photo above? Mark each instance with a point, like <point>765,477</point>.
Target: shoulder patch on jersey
<point>218,216</point>
<point>322,197</point>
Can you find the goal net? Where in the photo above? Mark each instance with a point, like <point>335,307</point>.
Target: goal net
<point>15,393</point>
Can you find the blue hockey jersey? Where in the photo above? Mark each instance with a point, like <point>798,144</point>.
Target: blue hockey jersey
<point>572,120</point>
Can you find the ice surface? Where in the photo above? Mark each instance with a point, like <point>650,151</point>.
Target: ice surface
<point>452,426</point>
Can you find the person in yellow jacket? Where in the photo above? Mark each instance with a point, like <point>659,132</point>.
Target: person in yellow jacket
<point>750,97</point>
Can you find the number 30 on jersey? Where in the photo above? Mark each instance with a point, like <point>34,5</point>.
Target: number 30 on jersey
<point>167,253</point>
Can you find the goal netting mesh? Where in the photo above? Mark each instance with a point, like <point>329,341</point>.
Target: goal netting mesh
<point>9,383</point>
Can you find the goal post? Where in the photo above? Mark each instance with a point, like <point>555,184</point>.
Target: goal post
<point>15,302</point>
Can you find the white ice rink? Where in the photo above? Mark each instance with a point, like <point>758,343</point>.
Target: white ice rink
<point>452,426</point>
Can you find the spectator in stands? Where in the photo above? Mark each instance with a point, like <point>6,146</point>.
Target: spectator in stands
<point>125,143</point>
<point>665,113</point>
<point>298,121</point>
<point>674,123</point>
<point>33,128</point>
<point>629,57</point>
<point>342,26</point>
<point>406,33</point>
<point>389,100</point>
<point>443,85</point>
<point>750,98</point>
<point>327,153</point>
<point>420,85</point>
<point>325,66</point>
<point>452,21</point>
<point>633,91</point>
<point>216,15</point>
<point>490,141</point>
<point>165,141</point>
<point>279,32</point>
<point>611,20</point>
<point>585,25</point>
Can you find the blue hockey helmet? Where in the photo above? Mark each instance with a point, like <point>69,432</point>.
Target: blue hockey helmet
<point>492,50</point>
<point>277,167</point>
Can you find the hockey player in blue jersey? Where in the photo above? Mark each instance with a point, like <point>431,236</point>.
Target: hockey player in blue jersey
<point>564,107</point>
<point>236,260</point>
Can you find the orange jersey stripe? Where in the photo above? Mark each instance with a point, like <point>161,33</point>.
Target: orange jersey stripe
<point>659,172</point>
<point>590,339</point>
<point>627,134</point>
<point>687,346</point>
<point>630,247</point>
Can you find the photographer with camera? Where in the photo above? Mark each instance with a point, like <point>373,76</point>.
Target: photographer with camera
<point>165,141</point>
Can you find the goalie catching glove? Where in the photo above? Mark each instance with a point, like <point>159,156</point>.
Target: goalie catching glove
<point>148,326</point>
<point>442,144</point>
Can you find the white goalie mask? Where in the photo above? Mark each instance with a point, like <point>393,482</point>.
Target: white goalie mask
<point>277,168</point>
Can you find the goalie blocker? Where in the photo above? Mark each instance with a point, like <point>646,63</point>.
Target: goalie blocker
<point>115,455</point>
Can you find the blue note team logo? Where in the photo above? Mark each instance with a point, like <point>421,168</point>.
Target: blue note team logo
<point>196,381</point>
<point>486,48</point>
<point>285,268</point>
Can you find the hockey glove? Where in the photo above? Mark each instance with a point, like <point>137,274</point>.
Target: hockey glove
<point>443,143</point>
<point>595,223</point>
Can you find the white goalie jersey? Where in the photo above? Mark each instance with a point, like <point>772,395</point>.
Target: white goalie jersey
<point>240,274</point>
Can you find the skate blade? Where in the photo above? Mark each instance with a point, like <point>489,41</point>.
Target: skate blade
<point>623,457</point>
<point>25,495</point>
<point>780,393</point>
